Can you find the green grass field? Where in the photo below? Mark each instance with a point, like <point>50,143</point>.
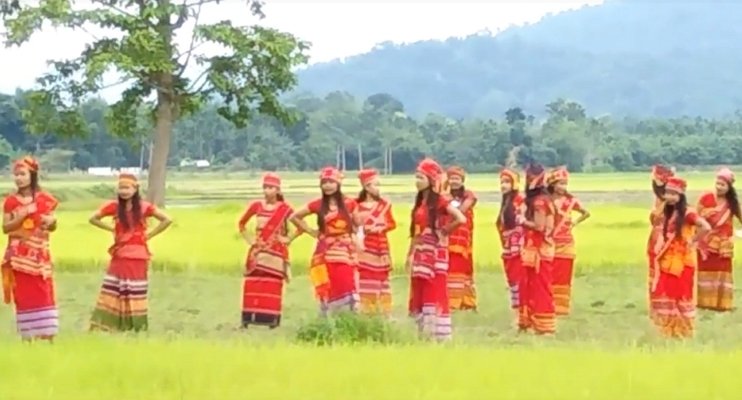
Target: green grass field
<point>194,349</point>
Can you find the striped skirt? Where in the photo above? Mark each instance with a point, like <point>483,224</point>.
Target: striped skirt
<point>37,316</point>
<point>262,299</point>
<point>375,292</point>
<point>562,284</point>
<point>513,272</point>
<point>462,294</point>
<point>673,310</point>
<point>429,306</point>
<point>122,302</point>
<point>343,295</point>
<point>536,301</point>
<point>715,283</point>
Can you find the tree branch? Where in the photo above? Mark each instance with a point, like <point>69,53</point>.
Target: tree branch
<point>191,47</point>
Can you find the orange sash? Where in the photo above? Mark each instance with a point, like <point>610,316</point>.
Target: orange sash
<point>664,245</point>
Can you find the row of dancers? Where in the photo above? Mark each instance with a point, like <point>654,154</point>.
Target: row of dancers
<point>351,263</point>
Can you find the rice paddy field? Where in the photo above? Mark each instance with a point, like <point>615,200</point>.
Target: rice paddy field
<point>195,348</point>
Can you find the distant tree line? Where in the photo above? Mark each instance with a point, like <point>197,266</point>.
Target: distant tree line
<point>349,132</point>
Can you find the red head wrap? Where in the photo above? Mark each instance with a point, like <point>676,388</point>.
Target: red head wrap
<point>331,174</point>
<point>726,175</point>
<point>535,176</point>
<point>558,174</point>
<point>28,163</point>
<point>513,176</point>
<point>676,184</point>
<point>457,171</point>
<point>367,175</point>
<point>128,178</point>
<point>661,173</point>
<point>434,172</point>
<point>272,179</point>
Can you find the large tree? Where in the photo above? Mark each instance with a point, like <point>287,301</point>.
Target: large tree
<point>254,66</point>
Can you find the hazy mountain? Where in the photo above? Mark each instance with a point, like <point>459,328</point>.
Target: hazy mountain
<point>625,57</point>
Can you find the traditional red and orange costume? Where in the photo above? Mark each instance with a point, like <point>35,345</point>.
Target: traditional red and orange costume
<point>122,304</point>
<point>536,296</point>
<point>462,293</point>
<point>564,241</point>
<point>374,261</point>
<point>333,266</point>
<point>660,175</point>
<point>511,238</point>
<point>267,262</point>
<point>715,278</point>
<point>27,265</point>
<point>673,309</point>
<point>428,257</point>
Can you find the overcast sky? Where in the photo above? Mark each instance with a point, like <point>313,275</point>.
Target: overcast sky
<point>336,29</point>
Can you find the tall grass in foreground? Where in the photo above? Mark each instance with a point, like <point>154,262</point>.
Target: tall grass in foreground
<point>97,368</point>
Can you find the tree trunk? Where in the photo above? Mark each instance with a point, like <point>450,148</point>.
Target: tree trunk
<point>337,156</point>
<point>161,147</point>
<point>386,162</point>
<point>343,158</point>
<point>391,161</point>
<point>360,156</point>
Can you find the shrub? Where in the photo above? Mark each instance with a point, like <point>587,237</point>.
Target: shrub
<point>348,328</point>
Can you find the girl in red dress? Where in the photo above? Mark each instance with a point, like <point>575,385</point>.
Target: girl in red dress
<point>565,204</point>
<point>123,302</point>
<point>536,296</point>
<point>333,267</point>
<point>673,309</point>
<point>433,219</point>
<point>462,292</point>
<point>715,276</point>
<point>374,260</point>
<point>511,234</point>
<point>28,218</point>
<point>267,263</point>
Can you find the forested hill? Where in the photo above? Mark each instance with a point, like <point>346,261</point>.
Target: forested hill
<point>625,57</point>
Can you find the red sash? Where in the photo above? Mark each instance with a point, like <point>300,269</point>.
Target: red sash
<point>379,212</point>
<point>274,223</point>
<point>267,238</point>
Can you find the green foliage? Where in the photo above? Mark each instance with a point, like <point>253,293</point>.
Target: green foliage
<point>348,328</point>
<point>256,65</point>
<point>331,130</point>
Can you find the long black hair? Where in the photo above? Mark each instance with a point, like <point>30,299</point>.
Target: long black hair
<point>458,193</point>
<point>34,183</point>
<point>431,204</point>
<point>507,210</point>
<point>136,211</point>
<point>531,195</point>
<point>324,208</point>
<point>680,207</point>
<point>733,201</point>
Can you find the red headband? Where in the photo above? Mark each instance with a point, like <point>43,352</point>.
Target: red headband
<point>558,174</point>
<point>434,172</point>
<point>676,184</point>
<point>28,163</point>
<point>272,179</point>
<point>513,176</point>
<point>128,178</point>
<point>367,175</point>
<point>726,175</point>
<point>331,174</point>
